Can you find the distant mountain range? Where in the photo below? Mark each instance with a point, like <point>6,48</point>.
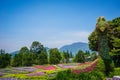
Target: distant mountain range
<point>74,48</point>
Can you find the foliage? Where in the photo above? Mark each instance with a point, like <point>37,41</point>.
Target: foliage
<point>80,57</point>
<point>54,56</point>
<point>23,58</point>
<point>4,59</point>
<point>36,47</point>
<point>93,56</point>
<point>87,56</point>
<point>42,58</point>
<point>102,30</point>
<point>66,56</point>
<point>68,75</point>
<point>93,41</point>
<point>115,72</point>
<point>113,35</point>
<point>100,66</point>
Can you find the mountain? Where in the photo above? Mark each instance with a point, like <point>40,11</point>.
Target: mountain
<point>75,47</point>
<point>13,53</point>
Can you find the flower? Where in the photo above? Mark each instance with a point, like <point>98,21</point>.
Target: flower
<point>46,68</point>
<point>29,69</point>
<point>41,67</point>
<point>66,66</point>
<point>50,68</point>
<point>1,74</point>
<point>87,69</point>
<point>36,74</point>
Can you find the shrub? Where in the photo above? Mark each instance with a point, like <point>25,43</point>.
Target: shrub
<point>68,75</point>
<point>115,72</point>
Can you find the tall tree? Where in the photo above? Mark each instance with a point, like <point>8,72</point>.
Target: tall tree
<point>66,56</point>
<point>102,28</point>
<point>4,59</point>
<point>43,57</point>
<point>80,57</point>
<point>36,47</point>
<point>23,58</point>
<point>93,56</point>
<point>40,53</point>
<point>54,56</point>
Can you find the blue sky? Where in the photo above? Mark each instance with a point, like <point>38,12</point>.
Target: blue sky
<point>51,22</point>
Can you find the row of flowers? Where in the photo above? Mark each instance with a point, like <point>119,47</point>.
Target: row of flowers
<point>36,74</point>
<point>28,69</point>
<point>66,66</point>
<point>87,69</point>
<point>46,68</point>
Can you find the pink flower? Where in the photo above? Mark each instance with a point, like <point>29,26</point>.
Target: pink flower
<point>40,67</point>
<point>50,68</point>
<point>87,69</point>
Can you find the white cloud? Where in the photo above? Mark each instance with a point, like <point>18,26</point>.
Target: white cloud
<point>64,38</point>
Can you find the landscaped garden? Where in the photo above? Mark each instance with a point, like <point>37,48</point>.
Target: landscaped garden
<point>37,63</point>
<point>45,71</point>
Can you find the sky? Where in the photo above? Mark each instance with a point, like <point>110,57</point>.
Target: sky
<point>53,23</point>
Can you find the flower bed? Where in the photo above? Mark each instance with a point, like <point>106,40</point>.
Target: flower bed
<point>66,66</point>
<point>36,74</point>
<point>39,67</point>
<point>46,68</point>
<point>50,68</point>
<point>28,69</point>
<point>87,69</point>
<point>1,74</point>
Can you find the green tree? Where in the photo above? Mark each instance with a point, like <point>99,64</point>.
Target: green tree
<point>87,55</point>
<point>42,58</point>
<point>71,55</point>
<point>93,41</point>
<point>36,47</point>
<point>66,56</point>
<point>4,59</point>
<point>16,61</point>
<point>23,58</point>
<point>54,56</point>
<point>102,30</point>
<point>40,53</point>
<point>80,57</point>
<point>93,56</point>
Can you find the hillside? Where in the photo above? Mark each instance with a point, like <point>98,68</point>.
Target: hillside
<point>74,47</point>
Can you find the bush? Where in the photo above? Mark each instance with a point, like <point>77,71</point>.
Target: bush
<point>100,66</point>
<point>68,75</point>
<point>116,72</point>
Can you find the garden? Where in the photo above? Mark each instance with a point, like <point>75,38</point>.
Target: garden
<point>45,72</point>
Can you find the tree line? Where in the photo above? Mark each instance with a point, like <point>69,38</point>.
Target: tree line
<point>39,55</point>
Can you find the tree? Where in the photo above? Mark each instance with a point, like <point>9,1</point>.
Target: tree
<point>36,47</point>
<point>94,56</point>
<point>66,56</point>
<point>71,55</point>
<point>115,41</point>
<point>40,53</point>
<point>42,58</point>
<point>80,57</point>
<point>93,41</point>
<point>4,59</point>
<point>16,61</point>
<point>102,30</point>
<point>54,56</point>
<point>23,58</point>
<point>87,55</point>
